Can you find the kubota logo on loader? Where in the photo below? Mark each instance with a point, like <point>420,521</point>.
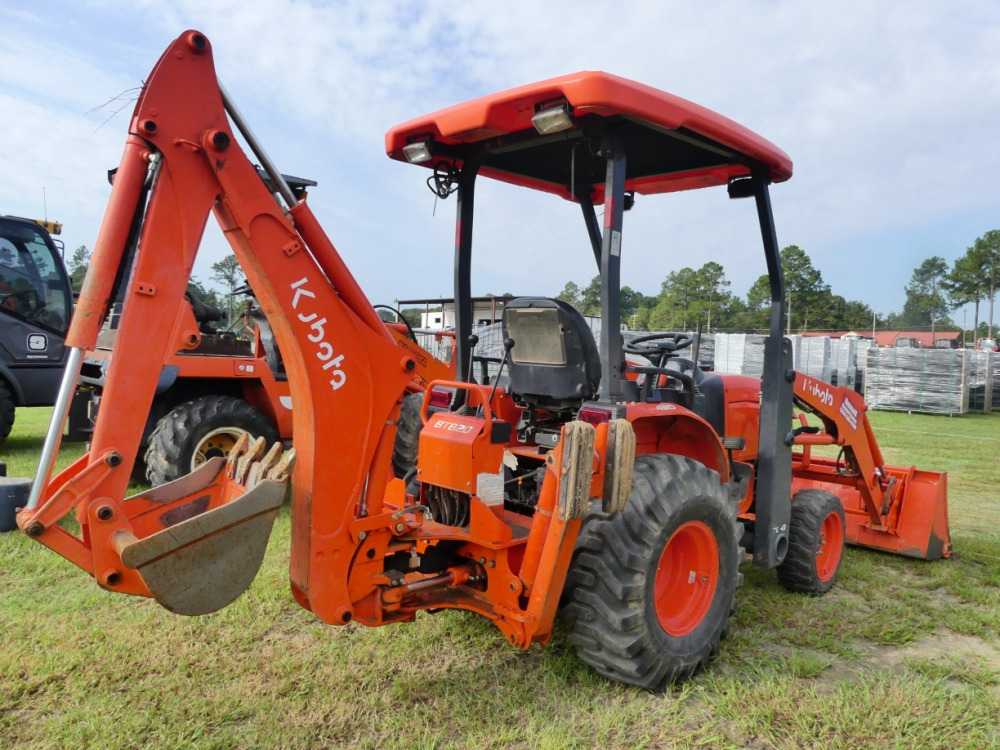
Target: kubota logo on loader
<point>324,350</point>
<point>819,390</point>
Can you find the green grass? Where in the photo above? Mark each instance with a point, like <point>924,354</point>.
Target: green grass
<point>901,653</point>
<point>20,450</point>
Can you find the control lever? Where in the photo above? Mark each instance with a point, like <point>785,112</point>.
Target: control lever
<point>473,340</point>
<point>508,344</point>
<point>461,405</point>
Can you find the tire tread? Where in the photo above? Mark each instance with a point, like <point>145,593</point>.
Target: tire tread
<point>7,411</point>
<point>797,572</point>
<point>168,456</point>
<point>606,603</point>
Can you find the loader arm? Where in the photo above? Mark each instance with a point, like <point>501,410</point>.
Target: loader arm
<point>895,509</point>
<point>181,162</point>
<point>845,424</point>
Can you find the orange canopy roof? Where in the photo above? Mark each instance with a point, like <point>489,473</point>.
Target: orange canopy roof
<point>671,143</point>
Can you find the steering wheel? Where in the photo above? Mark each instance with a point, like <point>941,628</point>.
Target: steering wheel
<point>656,347</point>
<point>661,349</point>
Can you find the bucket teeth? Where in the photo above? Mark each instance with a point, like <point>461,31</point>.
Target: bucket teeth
<point>259,469</point>
<point>254,453</point>
<point>254,475</point>
<point>249,464</point>
<point>240,447</point>
<point>283,468</point>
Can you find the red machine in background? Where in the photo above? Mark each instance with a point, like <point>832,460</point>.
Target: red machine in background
<point>206,397</point>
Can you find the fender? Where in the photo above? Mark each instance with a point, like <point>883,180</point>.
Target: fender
<point>672,428</point>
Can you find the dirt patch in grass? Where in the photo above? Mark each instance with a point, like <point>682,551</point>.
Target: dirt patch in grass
<point>947,655</point>
<point>954,659</point>
<point>942,646</point>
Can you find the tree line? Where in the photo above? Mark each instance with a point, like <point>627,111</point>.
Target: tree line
<point>689,297</point>
<point>692,296</point>
<point>935,290</point>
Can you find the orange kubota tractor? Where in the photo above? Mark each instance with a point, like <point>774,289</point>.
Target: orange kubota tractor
<point>622,494</point>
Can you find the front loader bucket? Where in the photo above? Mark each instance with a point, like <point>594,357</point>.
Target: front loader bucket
<point>200,554</point>
<point>918,513</point>
<point>913,521</point>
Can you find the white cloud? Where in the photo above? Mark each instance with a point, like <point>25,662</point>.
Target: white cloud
<point>888,112</point>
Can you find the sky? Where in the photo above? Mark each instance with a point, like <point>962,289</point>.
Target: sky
<point>890,113</point>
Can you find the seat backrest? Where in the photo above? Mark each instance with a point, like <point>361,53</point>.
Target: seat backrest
<point>712,403</point>
<point>555,362</point>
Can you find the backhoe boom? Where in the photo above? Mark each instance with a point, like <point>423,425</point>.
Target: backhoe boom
<point>348,374</point>
<point>182,161</point>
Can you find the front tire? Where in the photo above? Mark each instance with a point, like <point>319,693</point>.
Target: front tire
<point>651,589</point>
<point>199,430</point>
<point>7,410</point>
<point>815,543</point>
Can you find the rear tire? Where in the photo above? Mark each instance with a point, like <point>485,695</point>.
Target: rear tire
<point>406,447</point>
<point>651,589</point>
<point>815,543</point>
<point>7,410</point>
<point>199,430</point>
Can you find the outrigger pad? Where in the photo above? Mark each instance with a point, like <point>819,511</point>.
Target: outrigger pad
<point>14,493</point>
<point>577,462</point>
<point>204,563</point>
<point>621,462</point>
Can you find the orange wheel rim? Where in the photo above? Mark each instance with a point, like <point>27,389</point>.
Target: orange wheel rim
<point>686,578</point>
<point>831,546</point>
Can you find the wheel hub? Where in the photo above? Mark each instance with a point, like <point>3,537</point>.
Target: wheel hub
<point>831,546</point>
<point>686,578</point>
<point>216,444</point>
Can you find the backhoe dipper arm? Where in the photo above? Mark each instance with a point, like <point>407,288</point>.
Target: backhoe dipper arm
<point>343,364</point>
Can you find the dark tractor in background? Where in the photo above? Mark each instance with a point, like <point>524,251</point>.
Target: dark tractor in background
<point>36,304</point>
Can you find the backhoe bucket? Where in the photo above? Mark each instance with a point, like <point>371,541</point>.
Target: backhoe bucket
<point>203,552</point>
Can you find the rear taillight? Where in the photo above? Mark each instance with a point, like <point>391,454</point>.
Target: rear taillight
<point>440,398</point>
<point>594,416</point>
